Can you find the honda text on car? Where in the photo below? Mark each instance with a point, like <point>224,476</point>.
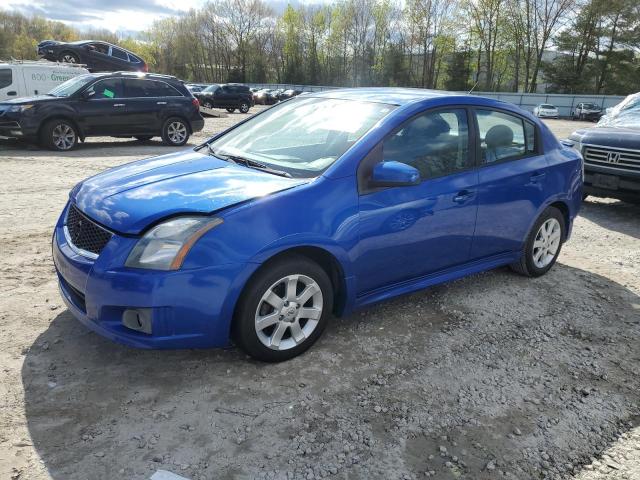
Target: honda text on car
<point>97,56</point>
<point>320,205</point>
<point>122,104</point>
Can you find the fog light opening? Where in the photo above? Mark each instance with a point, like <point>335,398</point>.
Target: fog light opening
<point>138,319</point>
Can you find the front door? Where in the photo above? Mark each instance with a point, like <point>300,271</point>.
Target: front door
<point>105,111</point>
<point>412,231</point>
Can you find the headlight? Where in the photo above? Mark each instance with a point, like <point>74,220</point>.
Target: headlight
<point>165,246</point>
<point>20,108</point>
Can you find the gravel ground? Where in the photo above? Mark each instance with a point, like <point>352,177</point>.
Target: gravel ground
<point>493,376</point>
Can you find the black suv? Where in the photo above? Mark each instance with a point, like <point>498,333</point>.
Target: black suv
<point>118,104</point>
<point>97,56</point>
<point>230,96</point>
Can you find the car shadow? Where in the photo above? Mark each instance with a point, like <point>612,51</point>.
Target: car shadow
<point>461,367</point>
<point>614,215</point>
<point>148,147</point>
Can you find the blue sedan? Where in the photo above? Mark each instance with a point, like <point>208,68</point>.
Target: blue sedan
<point>322,204</point>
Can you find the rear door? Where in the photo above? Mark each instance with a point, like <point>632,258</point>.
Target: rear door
<point>512,182</point>
<point>149,103</point>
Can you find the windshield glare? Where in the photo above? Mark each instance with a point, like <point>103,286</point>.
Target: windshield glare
<point>71,86</point>
<point>304,136</point>
<point>211,88</point>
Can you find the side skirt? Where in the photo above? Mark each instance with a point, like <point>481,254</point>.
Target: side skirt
<point>420,283</point>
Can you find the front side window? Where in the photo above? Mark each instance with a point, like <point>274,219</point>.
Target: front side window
<point>6,77</point>
<point>302,137</point>
<point>436,143</point>
<point>107,89</point>
<point>502,136</point>
<point>99,48</point>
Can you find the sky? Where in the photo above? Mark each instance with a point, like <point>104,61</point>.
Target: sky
<point>128,16</point>
<point>113,15</point>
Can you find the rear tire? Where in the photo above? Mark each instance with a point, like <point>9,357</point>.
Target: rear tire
<point>543,244</point>
<point>60,135</point>
<point>244,107</point>
<point>303,296</point>
<point>175,132</point>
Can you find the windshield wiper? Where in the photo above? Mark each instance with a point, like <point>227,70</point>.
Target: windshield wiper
<point>247,162</point>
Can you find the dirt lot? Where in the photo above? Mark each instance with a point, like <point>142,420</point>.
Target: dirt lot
<point>494,376</point>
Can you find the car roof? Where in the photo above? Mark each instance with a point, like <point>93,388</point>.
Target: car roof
<point>136,75</point>
<point>390,95</point>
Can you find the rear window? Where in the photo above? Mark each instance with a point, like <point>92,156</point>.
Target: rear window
<point>6,77</point>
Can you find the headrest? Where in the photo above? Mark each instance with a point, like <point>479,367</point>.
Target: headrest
<point>499,136</point>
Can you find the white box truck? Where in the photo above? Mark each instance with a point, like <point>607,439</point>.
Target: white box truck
<point>25,78</point>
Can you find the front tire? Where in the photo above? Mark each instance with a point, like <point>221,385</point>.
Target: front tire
<point>143,138</point>
<point>284,309</point>
<point>231,110</point>
<point>59,135</point>
<point>175,132</point>
<point>244,107</point>
<point>543,245</point>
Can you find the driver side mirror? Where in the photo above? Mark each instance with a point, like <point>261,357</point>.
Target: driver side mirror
<point>394,174</point>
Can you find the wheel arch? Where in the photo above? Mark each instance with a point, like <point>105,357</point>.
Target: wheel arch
<point>327,260</point>
<point>564,209</point>
<point>61,116</point>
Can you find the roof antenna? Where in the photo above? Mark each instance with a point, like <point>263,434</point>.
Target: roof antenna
<point>475,84</point>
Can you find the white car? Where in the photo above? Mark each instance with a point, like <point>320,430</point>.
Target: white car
<point>27,79</point>
<point>546,110</point>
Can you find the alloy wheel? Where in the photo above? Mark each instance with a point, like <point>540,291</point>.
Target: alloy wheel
<point>63,136</point>
<point>546,243</point>
<point>69,58</point>
<point>244,108</point>
<point>288,312</point>
<point>177,132</point>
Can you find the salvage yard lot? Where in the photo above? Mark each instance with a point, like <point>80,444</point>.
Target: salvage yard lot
<point>493,376</point>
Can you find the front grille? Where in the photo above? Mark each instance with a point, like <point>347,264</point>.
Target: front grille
<point>627,160</point>
<point>84,233</point>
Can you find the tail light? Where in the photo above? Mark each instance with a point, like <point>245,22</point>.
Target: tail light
<point>196,103</point>
<point>145,68</point>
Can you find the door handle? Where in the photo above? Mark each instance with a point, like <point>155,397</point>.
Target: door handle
<point>537,176</point>
<point>462,196</point>
<point>12,93</point>
<point>161,103</point>
<point>118,104</point>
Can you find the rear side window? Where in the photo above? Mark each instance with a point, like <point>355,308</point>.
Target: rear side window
<point>502,136</point>
<point>121,54</point>
<point>137,88</point>
<point>436,143</point>
<point>6,77</point>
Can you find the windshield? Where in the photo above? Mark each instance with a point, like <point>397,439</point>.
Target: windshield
<point>211,88</point>
<point>546,105</point>
<point>71,86</point>
<point>591,106</point>
<point>304,136</point>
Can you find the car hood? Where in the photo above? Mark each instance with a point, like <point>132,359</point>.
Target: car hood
<point>129,198</point>
<point>34,99</point>
<point>616,137</point>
